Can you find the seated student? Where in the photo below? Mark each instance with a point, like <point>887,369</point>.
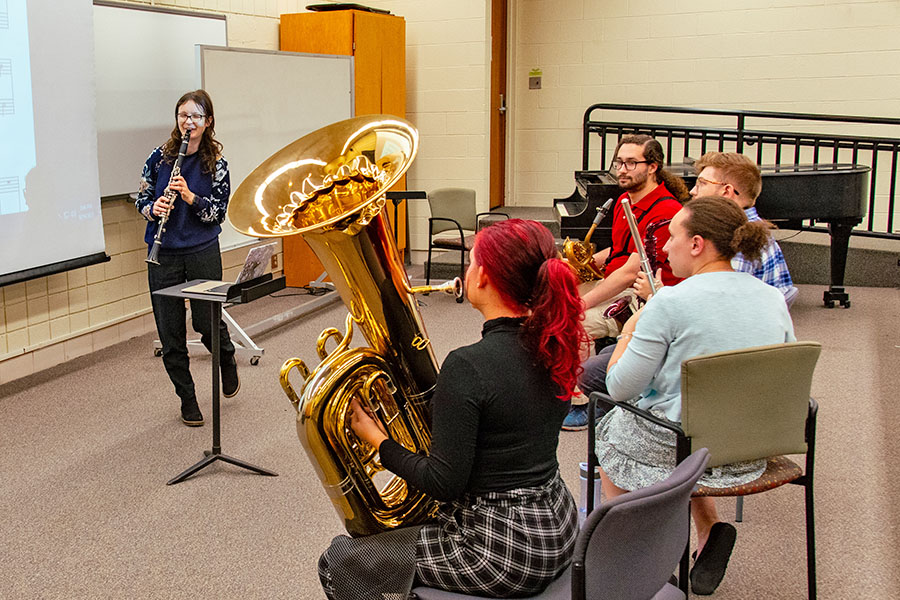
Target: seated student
<point>715,309</point>
<point>656,195</point>
<point>736,177</point>
<point>507,524</point>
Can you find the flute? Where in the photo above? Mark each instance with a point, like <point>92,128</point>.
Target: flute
<point>639,244</point>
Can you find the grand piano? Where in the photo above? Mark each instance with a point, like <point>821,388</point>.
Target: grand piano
<point>834,194</point>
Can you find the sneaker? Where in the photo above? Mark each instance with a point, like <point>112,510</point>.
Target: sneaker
<point>577,419</point>
<point>190,413</point>
<point>231,383</point>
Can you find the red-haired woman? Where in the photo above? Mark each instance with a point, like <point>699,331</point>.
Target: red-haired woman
<point>507,524</point>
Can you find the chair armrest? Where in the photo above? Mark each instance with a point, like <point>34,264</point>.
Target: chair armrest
<point>682,444</point>
<point>431,220</point>
<point>665,423</point>
<point>486,214</point>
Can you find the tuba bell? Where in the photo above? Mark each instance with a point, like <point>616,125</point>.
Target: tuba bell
<point>329,186</point>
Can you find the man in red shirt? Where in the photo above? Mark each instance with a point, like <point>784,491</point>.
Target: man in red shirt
<point>639,167</point>
<point>655,195</point>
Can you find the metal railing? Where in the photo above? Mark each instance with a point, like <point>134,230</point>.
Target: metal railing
<point>768,138</point>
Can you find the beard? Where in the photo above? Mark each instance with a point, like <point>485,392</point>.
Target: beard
<point>633,181</point>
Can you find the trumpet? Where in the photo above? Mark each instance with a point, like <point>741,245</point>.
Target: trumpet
<point>580,255</point>
<point>153,256</point>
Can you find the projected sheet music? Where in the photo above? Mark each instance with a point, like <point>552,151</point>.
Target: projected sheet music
<point>17,148</point>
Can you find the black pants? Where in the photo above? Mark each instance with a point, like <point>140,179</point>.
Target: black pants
<point>170,315</point>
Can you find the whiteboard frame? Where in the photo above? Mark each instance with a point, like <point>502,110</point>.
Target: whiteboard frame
<point>231,238</point>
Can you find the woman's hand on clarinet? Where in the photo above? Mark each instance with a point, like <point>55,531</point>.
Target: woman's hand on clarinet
<point>178,184</point>
<point>642,284</point>
<point>161,206</point>
<point>364,426</point>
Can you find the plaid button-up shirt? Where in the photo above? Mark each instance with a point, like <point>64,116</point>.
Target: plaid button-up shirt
<point>771,267</point>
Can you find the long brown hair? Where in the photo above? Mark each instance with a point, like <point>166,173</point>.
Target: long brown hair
<point>210,148</point>
<point>723,223</point>
<point>653,153</point>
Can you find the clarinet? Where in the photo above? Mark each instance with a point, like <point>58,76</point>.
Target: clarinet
<point>153,256</point>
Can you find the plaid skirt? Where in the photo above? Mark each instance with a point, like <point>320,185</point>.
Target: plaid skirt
<point>500,544</point>
<point>497,544</point>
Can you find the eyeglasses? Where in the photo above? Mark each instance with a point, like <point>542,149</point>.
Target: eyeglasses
<point>628,164</point>
<point>702,181</point>
<point>196,117</point>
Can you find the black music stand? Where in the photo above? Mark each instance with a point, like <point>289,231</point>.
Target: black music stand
<point>239,293</point>
<point>397,198</point>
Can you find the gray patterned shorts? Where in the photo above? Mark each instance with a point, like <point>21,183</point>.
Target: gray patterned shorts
<point>636,453</point>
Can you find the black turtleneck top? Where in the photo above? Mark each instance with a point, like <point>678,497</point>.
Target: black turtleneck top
<point>496,421</point>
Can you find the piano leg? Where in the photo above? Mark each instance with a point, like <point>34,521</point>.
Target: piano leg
<point>840,241</point>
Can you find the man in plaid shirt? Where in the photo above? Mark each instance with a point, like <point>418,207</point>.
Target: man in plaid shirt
<point>737,177</point>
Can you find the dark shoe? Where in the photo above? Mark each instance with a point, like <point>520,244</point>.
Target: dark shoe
<point>709,568</point>
<point>190,413</point>
<point>231,383</point>
<point>577,419</point>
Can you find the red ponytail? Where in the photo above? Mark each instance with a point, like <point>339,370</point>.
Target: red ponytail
<point>522,262</point>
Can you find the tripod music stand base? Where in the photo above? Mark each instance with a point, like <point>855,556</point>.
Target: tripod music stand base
<point>212,457</point>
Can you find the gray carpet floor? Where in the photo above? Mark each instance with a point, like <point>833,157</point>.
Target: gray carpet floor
<point>87,447</point>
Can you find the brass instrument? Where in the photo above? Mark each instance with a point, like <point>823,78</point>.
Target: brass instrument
<point>153,255</point>
<point>580,255</point>
<point>329,186</point>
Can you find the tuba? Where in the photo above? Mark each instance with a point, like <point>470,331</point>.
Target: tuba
<point>329,186</point>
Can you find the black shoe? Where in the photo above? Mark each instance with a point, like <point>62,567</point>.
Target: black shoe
<point>190,413</point>
<point>231,383</point>
<point>709,568</point>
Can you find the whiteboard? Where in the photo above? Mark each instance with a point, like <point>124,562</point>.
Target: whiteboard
<point>145,59</point>
<point>264,100</point>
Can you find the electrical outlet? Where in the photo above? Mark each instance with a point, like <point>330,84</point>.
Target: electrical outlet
<point>274,261</point>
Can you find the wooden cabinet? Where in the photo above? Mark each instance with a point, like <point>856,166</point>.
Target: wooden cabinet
<point>377,43</point>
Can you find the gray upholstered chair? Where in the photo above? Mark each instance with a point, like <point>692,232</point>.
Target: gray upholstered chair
<point>453,224</point>
<point>628,547</point>
<point>744,405</point>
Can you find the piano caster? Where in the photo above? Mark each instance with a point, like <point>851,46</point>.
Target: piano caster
<point>836,294</point>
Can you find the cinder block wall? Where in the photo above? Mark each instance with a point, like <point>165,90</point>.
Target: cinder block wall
<point>818,56</point>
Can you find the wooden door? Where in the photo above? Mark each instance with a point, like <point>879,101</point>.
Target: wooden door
<point>498,103</point>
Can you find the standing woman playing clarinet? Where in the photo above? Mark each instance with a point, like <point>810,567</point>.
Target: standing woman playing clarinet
<point>506,523</point>
<point>194,197</point>
<point>715,309</point>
